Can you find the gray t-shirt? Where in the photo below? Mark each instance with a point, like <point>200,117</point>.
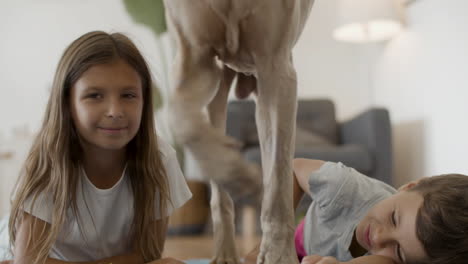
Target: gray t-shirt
<point>341,198</point>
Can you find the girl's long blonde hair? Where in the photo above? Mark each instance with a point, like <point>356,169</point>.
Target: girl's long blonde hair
<point>52,164</point>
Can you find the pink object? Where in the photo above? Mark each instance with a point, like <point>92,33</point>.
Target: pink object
<point>299,241</point>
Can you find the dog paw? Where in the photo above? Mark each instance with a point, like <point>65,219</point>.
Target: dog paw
<point>272,257</point>
<point>280,252</point>
<point>225,260</point>
<point>225,251</point>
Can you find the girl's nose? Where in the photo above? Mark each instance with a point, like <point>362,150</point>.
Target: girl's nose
<point>114,109</point>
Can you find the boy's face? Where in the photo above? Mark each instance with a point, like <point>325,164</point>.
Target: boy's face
<point>389,228</point>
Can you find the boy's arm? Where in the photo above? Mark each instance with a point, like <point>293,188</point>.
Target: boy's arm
<point>25,233</point>
<point>298,192</point>
<point>302,168</point>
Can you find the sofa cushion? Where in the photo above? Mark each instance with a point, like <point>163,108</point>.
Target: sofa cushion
<point>307,139</point>
<point>315,116</point>
<point>351,155</point>
<point>318,116</point>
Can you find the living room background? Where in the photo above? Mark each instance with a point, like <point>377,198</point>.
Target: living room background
<point>420,76</point>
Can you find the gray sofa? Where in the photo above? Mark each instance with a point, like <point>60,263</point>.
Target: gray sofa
<point>363,142</point>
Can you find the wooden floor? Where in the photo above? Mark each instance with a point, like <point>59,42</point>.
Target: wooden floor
<point>195,247</point>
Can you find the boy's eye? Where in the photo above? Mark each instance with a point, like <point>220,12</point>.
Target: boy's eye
<point>397,248</point>
<point>393,218</point>
<point>399,254</point>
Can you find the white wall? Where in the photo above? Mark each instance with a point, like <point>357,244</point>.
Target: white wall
<point>33,35</point>
<point>327,68</point>
<point>422,77</point>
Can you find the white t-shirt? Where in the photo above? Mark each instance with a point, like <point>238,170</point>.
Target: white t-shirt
<point>105,216</point>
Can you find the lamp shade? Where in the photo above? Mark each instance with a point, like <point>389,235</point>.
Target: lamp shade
<point>362,21</point>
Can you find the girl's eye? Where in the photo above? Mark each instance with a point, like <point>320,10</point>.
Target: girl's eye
<point>129,95</point>
<point>94,96</point>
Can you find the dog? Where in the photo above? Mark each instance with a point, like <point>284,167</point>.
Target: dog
<point>217,41</point>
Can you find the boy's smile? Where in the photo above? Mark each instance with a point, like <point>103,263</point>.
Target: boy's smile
<point>389,228</point>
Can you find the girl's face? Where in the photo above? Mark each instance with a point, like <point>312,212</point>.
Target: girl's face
<point>106,105</point>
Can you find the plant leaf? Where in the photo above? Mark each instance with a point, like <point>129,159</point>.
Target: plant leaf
<point>149,13</point>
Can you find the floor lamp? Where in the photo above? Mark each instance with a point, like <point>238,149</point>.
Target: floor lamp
<point>368,21</point>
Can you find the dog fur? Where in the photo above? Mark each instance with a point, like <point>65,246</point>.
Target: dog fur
<point>217,41</point>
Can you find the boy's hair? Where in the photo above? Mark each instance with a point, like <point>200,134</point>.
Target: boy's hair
<point>442,220</point>
<point>52,165</point>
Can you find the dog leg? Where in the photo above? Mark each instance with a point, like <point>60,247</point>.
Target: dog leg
<point>217,109</point>
<point>276,122</point>
<point>197,82</point>
<point>222,207</point>
<point>204,133</point>
<point>222,212</point>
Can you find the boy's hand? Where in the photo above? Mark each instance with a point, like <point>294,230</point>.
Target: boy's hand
<point>316,259</point>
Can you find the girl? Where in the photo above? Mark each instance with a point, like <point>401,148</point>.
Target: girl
<point>98,184</point>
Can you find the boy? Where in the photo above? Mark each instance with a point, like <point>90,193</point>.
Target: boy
<point>352,216</point>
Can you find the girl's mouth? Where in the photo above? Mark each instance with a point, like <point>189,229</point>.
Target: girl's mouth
<point>112,130</point>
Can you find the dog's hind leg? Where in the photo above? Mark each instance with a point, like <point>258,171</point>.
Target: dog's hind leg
<point>222,213</point>
<point>217,108</point>
<point>222,207</point>
<point>196,84</point>
<point>276,122</point>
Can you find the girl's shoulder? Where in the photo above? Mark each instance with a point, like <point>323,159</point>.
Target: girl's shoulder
<point>165,148</point>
